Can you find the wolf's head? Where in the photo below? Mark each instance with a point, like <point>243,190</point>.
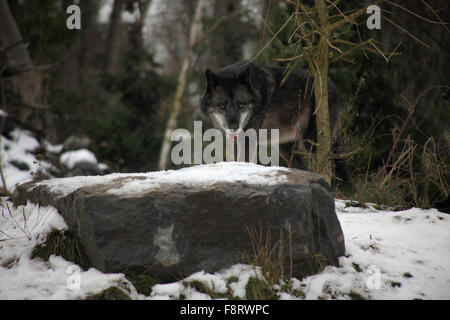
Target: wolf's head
<point>230,99</point>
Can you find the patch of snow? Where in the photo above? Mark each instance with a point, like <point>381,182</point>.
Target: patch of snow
<point>201,175</point>
<point>106,9</point>
<point>243,273</point>
<point>19,148</point>
<point>71,158</point>
<point>167,291</point>
<point>53,148</point>
<point>65,186</point>
<point>102,166</point>
<point>205,175</point>
<point>216,282</point>
<point>21,277</point>
<point>389,255</point>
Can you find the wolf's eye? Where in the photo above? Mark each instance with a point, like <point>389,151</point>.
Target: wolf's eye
<point>221,106</point>
<point>241,105</point>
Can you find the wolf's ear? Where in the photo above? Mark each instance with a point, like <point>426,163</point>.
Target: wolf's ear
<point>245,77</point>
<point>211,79</point>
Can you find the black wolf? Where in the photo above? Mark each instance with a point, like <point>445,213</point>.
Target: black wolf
<point>243,96</point>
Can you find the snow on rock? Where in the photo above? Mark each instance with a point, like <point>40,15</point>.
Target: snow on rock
<point>192,176</point>
<point>71,158</point>
<point>53,148</point>
<point>205,175</point>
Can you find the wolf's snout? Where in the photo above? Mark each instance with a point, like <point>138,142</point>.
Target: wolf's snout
<point>232,134</point>
<point>233,125</point>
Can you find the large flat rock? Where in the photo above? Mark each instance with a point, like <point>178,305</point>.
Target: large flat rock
<point>174,223</point>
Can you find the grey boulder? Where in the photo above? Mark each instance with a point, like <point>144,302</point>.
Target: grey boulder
<point>175,223</point>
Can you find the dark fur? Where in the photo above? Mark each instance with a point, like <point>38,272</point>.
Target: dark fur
<point>272,106</point>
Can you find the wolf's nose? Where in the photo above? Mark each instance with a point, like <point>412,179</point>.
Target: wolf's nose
<point>236,130</point>
<point>232,135</point>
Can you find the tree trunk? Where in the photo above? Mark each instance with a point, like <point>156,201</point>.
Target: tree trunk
<point>27,81</point>
<point>172,122</point>
<point>135,32</point>
<point>89,10</point>
<point>324,162</point>
<point>112,48</point>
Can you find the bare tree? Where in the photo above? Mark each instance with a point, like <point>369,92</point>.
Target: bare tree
<point>319,43</point>
<point>175,111</point>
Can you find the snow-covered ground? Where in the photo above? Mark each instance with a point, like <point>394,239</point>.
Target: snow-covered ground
<point>24,278</point>
<point>399,255</point>
<point>20,164</point>
<point>16,152</point>
<point>389,255</point>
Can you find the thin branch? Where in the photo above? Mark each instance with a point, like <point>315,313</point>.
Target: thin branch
<point>12,46</point>
<point>289,59</point>
<point>7,235</point>
<point>401,159</point>
<point>334,4</point>
<point>406,31</point>
<point>344,13</point>
<point>215,26</point>
<point>418,15</point>
<point>355,46</point>
<point>17,224</point>
<point>395,51</point>
<point>269,42</point>
<point>411,109</point>
<point>265,18</point>
<point>305,10</point>
<point>2,174</point>
<point>298,3</point>
<point>352,16</point>
<point>14,71</point>
<point>266,26</point>
<point>345,155</point>
<point>313,143</point>
<point>435,14</point>
<point>379,51</point>
<point>297,133</point>
<point>303,153</point>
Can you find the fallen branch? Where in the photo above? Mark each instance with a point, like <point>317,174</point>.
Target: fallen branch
<point>11,72</point>
<point>346,155</point>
